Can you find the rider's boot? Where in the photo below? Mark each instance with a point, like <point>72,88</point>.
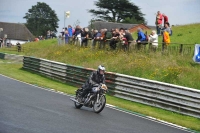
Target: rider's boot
<point>83,95</point>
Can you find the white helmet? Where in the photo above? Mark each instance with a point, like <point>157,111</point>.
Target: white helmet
<point>101,67</point>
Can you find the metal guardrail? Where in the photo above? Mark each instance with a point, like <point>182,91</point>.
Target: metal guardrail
<point>162,95</point>
<point>16,58</point>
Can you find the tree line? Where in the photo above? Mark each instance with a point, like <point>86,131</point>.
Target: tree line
<point>40,18</point>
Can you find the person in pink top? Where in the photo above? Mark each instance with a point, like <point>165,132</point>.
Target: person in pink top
<point>165,18</point>
<point>158,22</point>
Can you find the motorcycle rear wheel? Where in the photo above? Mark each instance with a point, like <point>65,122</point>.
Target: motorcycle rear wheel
<point>98,107</point>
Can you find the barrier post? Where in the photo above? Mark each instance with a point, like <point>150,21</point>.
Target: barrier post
<point>181,49</point>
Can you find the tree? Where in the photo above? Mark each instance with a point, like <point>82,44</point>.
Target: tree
<point>117,11</point>
<point>41,18</point>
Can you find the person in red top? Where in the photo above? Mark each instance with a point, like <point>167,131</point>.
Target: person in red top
<point>165,18</point>
<point>158,22</point>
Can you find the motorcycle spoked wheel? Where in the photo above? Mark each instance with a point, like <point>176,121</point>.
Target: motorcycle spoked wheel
<point>98,107</point>
<point>77,105</point>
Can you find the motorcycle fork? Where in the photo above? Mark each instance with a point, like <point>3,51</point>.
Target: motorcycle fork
<point>97,98</point>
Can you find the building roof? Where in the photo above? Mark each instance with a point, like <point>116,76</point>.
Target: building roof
<point>16,31</point>
<point>111,25</point>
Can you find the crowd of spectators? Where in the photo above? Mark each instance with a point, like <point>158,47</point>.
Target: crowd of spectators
<point>112,37</point>
<point>102,37</point>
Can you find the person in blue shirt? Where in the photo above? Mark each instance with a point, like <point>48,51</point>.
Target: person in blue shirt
<point>141,38</point>
<point>70,30</point>
<point>66,36</point>
<point>70,33</point>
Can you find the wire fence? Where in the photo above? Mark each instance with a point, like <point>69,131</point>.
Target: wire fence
<point>173,48</point>
<point>132,46</point>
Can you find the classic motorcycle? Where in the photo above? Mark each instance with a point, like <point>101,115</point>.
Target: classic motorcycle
<point>94,99</point>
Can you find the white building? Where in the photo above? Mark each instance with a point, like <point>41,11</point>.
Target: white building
<point>15,32</point>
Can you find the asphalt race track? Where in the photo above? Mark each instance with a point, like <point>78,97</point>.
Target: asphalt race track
<point>29,109</point>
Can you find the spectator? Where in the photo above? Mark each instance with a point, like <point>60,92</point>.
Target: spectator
<point>129,38</point>
<point>153,39</point>
<point>102,39</point>
<point>97,37</point>
<point>94,40</point>
<point>166,36</point>
<point>66,36</point>
<point>48,34</point>
<point>40,38</point>
<point>141,38</point>
<point>167,28</point>
<point>90,34</point>
<point>36,39</point>
<point>84,37</point>
<point>158,22</point>
<point>70,31</point>
<point>77,34</point>
<point>18,47</point>
<point>59,39</point>
<point>123,39</point>
<point>115,39</point>
<point>108,34</point>
<point>73,31</point>
<point>53,35</point>
<point>63,36</point>
<point>165,18</point>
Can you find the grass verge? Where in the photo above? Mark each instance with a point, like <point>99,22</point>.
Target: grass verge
<point>14,70</point>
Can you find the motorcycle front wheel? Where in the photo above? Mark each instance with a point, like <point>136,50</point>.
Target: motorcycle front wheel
<point>78,105</point>
<point>98,107</point>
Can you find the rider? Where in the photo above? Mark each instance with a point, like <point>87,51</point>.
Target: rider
<point>96,77</point>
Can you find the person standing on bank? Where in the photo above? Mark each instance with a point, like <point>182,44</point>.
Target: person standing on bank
<point>165,18</point>
<point>158,22</point>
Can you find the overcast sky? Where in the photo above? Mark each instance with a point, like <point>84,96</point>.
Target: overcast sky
<point>178,11</point>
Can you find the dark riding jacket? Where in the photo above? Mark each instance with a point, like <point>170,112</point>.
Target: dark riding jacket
<point>94,78</point>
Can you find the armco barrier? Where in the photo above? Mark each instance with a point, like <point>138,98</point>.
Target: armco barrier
<point>16,58</point>
<point>162,95</point>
